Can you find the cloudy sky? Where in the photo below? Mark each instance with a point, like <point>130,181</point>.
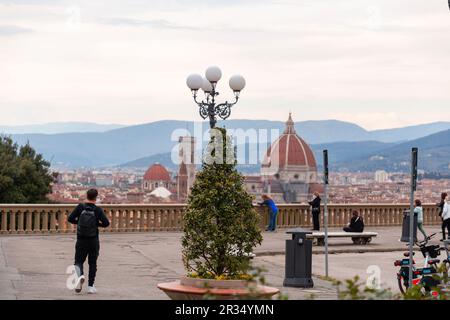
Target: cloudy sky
<point>378,63</point>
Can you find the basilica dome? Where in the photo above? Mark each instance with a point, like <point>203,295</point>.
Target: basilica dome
<point>290,150</point>
<point>157,172</point>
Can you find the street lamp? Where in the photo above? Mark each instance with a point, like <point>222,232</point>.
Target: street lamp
<point>208,107</point>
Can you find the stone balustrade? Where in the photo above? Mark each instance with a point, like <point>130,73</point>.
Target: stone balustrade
<point>48,219</point>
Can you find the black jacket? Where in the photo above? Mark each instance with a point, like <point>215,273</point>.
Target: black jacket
<point>441,207</point>
<point>315,204</point>
<point>357,224</point>
<point>103,221</point>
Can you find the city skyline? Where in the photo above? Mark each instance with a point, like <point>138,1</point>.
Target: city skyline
<point>374,63</point>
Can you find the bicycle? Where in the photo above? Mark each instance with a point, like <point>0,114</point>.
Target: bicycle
<point>421,276</point>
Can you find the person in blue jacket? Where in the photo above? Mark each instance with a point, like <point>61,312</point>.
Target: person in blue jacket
<point>273,211</point>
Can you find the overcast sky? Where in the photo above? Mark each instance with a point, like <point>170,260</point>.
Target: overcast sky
<point>379,63</point>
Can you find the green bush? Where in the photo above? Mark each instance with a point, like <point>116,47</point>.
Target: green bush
<point>220,225</point>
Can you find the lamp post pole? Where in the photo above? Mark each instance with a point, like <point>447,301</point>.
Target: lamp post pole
<point>414,164</point>
<point>207,106</point>
<point>325,211</point>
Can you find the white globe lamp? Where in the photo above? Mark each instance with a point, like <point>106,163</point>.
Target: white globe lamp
<point>237,83</point>
<point>194,82</point>
<point>207,86</point>
<point>213,74</point>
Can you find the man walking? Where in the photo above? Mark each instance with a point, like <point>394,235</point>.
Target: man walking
<point>88,217</point>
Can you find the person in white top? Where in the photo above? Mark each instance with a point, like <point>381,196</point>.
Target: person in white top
<point>446,215</point>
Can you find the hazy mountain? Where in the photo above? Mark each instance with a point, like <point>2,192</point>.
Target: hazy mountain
<point>368,156</point>
<point>59,127</point>
<point>340,152</point>
<point>434,155</point>
<point>122,145</point>
<point>409,133</point>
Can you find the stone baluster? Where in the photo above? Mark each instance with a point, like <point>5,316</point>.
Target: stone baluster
<point>148,218</point>
<point>142,213</point>
<point>62,221</point>
<point>120,223</point>
<point>20,221</point>
<point>12,222</point>
<point>135,220</point>
<point>29,222</point>
<point>52,221</point>
<point>128,220</point>
<point>115,220</point>
<point>399,216</point>
<point>166,219</point>
<point>296,217</point>
<point>177,222</point>
<point>304,218</point>
<point>173,219</point>
<point>44,226</point>
<point>37,221</point>
<point>4,221</point>
<point>151,218</point>
<point>162,219</point>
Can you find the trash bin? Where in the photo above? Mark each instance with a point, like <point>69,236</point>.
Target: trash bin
<point>405,228</point>
<point>298,260</point>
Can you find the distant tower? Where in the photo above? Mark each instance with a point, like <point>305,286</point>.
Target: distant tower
<point>182,182</point>
<point>186,171</point>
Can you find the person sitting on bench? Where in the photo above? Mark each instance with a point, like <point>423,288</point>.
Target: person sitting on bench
<point>356,223</point>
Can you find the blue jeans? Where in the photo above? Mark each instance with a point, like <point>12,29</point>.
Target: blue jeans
<point>273,220</point>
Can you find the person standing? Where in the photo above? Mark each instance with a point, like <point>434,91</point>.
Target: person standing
<point>315,210</point>
<point>273,212</point>
<point>88,217</point>
<point>446,214</point>
<point>419,211</point>
<point>441,210</point>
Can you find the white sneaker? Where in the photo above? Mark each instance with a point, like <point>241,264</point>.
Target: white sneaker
<point>79,285</point>
<point>92,290</point>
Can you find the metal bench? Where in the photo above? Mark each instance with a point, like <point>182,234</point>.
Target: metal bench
<point>361,238</point>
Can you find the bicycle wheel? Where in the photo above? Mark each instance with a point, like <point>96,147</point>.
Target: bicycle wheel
<point>402,285</point>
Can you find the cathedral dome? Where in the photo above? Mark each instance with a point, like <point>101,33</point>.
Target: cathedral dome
<point>157,172</point>
<point>290,150</point>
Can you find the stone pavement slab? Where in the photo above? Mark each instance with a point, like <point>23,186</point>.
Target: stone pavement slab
<point>132,264</point>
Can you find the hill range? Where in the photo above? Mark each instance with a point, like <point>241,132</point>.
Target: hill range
<point>351,147</point>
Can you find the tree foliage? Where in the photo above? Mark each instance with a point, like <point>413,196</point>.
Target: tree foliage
<point>221,226</point>
<point>24,174</point>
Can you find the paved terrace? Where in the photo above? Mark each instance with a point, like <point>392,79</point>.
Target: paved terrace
<point>132,264</point>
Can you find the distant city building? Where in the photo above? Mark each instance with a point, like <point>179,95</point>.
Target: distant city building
<point>381,176</point>
<point>187,167</point>
<point>104,180</point>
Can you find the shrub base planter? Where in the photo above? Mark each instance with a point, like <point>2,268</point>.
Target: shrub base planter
<point>198,289</point>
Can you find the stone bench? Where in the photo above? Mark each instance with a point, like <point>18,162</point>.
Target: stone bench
<point>361,238</point>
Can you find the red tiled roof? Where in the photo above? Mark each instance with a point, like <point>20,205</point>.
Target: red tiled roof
<point>157,172</point>
<point>290,150</point>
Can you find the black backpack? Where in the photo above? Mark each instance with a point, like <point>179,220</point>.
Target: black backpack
<point>87,223</point>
